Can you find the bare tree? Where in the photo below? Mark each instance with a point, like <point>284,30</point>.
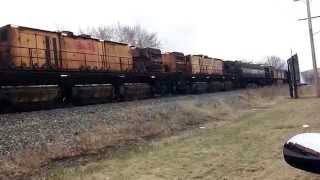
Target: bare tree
<point>60,27</point>
<point>134,35</point>
<point>275,62</point>
<point>101,32</point>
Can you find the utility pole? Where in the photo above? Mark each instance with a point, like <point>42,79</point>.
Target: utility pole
<point>313,52</point>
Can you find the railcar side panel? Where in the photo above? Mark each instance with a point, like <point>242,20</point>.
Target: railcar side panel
<point>81,53</point>
<point>33,49</point>
<point>147,60</point>
<point>211,66</point>
<point>169,62</point>
<point>181,62</point>
<point>199,64</point>
<point>117,57</point>
<point>194,64</point>
<point>174,62</point>
<point>253,72</point>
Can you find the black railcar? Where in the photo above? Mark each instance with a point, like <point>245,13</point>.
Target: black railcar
<point>247,74</point>
<point>147,60</point>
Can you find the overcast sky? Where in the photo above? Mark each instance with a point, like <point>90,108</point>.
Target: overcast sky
<point>227,29</point>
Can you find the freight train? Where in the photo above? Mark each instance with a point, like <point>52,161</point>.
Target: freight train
<point>45,68</point>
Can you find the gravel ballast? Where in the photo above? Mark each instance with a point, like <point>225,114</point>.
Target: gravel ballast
<point>33,128</point>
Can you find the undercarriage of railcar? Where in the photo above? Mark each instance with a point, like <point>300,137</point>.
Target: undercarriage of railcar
<point>31,90</point>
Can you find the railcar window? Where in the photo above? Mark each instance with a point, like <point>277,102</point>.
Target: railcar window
<point>3,35</point>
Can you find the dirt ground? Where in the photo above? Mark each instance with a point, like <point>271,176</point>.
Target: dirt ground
<point>248,146</point>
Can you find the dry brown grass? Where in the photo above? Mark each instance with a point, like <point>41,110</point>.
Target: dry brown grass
<point>23,164</point>
<point>135,130</point>
<point>248,148</point>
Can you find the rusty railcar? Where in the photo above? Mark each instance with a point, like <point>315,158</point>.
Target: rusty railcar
<point>211,66</point>
<point>175,62</point>
<point>117,57</point>
<point>193,64</point>
<point>147,60</point>
<point>199,64</point>
<point>46,67</point>
<point>79,53</point>
<point>25,48</point>
<point>42,67</point>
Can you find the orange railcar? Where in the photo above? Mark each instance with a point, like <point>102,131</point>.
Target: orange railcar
<point>211,66</point>
<point>199,64</point>
<point>174,62</point>
<point>81,53</point>
<point>193,64</point>
<point>118,57</point>
<point>34,49</point>
<point>26,48</point>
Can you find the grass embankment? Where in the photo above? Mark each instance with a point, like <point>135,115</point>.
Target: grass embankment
<point>248,146</point>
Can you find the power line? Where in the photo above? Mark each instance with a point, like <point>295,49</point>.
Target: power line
<point>314,17</point>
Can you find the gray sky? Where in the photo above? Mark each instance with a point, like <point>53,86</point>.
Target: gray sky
<point>227,29</point>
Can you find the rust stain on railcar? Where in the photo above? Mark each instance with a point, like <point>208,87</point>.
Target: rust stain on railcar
<point>32,49</point>
<point>199,64</point>
<point>81,53</point>
<point>118,57</point>
<point>35,49</point>
<point>193,64</point>
<point>211,66</point>
<point>174,62</point>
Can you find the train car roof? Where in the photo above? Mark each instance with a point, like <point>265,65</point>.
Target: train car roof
<point>177,53</point>
<point>114,42</point>
<point>60,32</point>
